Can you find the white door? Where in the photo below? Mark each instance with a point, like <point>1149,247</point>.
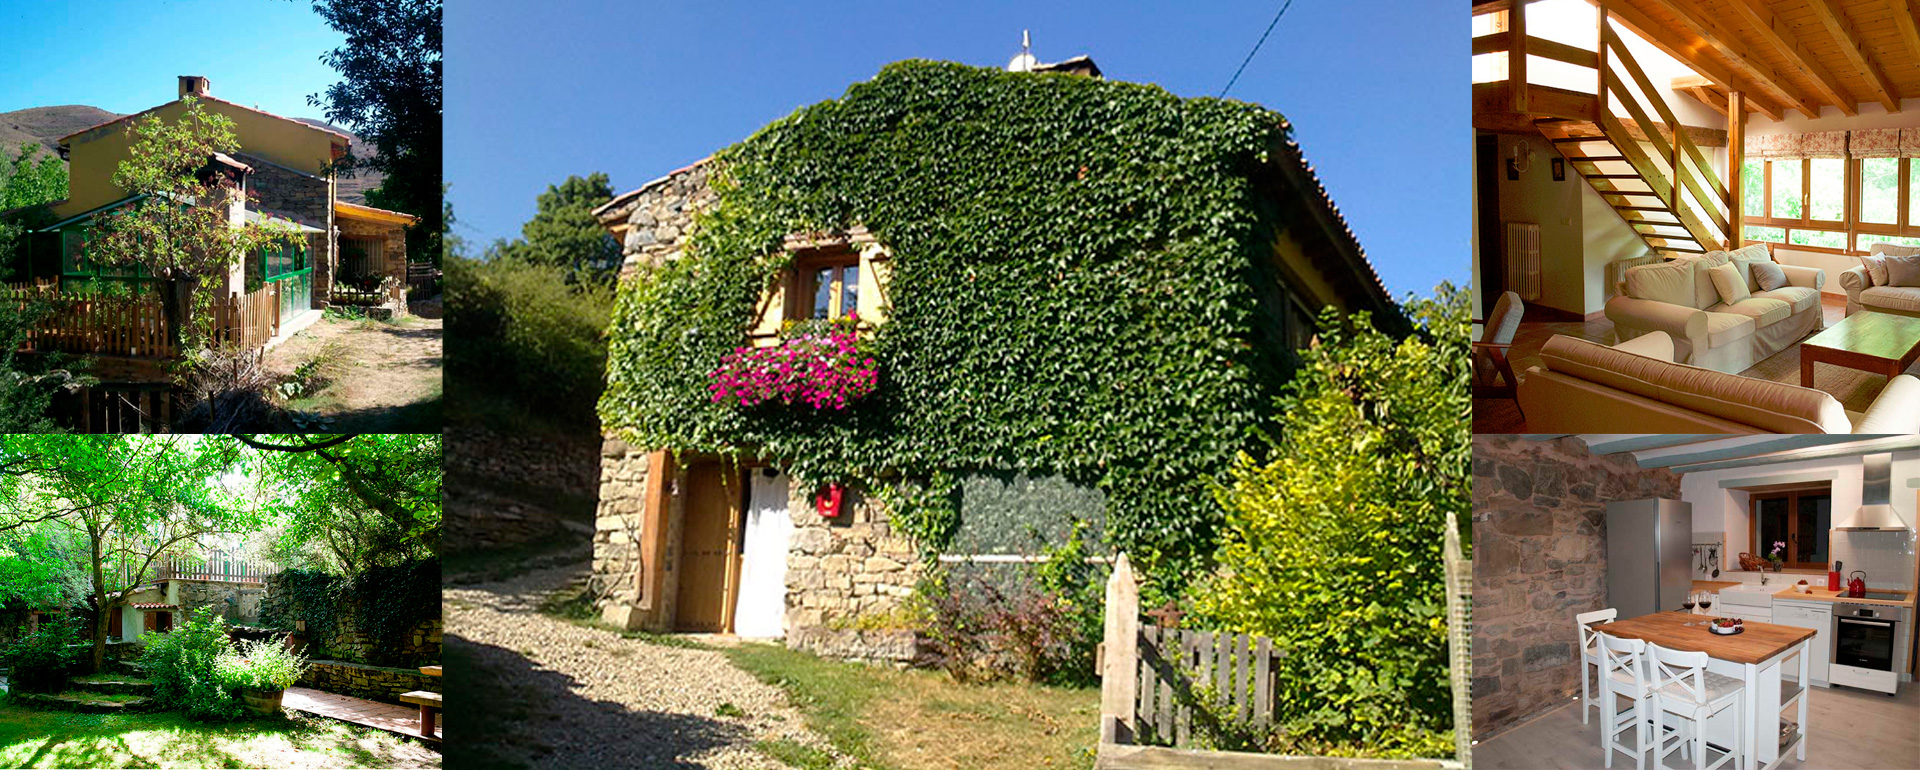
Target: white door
<point>763,558</point>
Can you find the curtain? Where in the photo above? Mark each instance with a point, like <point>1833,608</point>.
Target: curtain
<point>1910,142</point>
<point>1878,142</point>
<point>1821,145</point>
<point>1774,146</point>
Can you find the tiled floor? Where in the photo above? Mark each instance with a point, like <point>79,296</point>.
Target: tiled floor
<point>385,716</point>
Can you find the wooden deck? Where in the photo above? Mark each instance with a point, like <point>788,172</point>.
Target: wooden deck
<point>403,720</point>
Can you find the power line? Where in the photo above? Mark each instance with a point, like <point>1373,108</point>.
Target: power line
<point>1256,46</point>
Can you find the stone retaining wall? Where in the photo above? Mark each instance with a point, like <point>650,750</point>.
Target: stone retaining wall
<point>237,602</point>
<point>1539,533</point>
<point>841,569</point>
<point>484,511</point>
<point>362,681</point>
<point>898,648</point>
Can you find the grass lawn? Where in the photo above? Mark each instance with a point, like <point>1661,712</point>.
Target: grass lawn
<point>909,720</point>
<point>32,738</point>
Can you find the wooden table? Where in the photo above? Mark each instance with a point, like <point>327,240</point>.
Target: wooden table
<point>1754,657</point>
<point>1881,343</point>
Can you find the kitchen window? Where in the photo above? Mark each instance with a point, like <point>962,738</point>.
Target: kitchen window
<point>1799,518</point>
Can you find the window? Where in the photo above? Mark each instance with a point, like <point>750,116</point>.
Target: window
<point>829,287</point>
<point>1826,191</point>
<point>1831,205</point>
<point>1822,238</point>
<point>283,260</point>
<point>1300,326</point>
<point>1800,518</point>
<point>1753,185</point>
<point>1880,190</point>
<point>1786,189</point>
<point>1768,234</point>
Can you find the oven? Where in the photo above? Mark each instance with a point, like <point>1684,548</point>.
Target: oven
<point>1863,646</point>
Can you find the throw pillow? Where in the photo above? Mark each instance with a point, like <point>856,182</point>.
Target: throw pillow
<point>1768,275</point>
<point>1746,257</point>
<point>1669,282</point>
<point>1903,271</point>
<point>1730,282</point>
<point>1876,270</point>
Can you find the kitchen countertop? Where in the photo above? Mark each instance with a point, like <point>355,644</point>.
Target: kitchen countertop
<point>1821,594</point>
<point>1760,642</point>
<point>1713,585</point>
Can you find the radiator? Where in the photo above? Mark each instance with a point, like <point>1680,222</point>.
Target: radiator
<point>1523,259</point>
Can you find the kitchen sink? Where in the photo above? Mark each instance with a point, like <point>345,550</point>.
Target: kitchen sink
<point>1750,594</point>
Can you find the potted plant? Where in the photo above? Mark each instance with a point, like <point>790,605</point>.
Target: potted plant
<point>261,671</point>
<point>1774,558</point>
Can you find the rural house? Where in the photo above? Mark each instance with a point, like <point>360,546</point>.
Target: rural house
<point>1029,303</point>
<point>285,169</point>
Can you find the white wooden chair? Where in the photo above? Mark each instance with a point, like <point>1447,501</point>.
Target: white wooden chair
<point>1623,672</point>
<point>1590,655</point>
<point>1682,686</point>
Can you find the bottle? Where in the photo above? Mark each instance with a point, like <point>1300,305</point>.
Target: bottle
<point>1833,578</point>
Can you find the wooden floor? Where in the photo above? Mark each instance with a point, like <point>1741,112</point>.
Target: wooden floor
<point>404,720</point>
<point>1502,415</point>
<point>1846,728</point>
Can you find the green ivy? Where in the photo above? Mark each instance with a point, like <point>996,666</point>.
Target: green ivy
<point>1082,286</point>
<point>392,600</point>
<point>309,595</point>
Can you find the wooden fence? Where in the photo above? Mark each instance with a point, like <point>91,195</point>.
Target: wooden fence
<point>1151,679</point>
<point>136,327</point>
<point>216,565</point>
<point>248,320</point>
<point>423,280</point>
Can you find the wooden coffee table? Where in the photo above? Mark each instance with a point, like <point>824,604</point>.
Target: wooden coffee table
<point>1881,343</point>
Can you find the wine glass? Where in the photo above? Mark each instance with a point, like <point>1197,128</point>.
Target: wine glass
<point>1688,605</point>
<point>1706,602</point>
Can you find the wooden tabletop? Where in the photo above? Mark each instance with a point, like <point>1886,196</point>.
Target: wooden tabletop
<point>1876,335</point>
<point>430,670</point>
<point>1713,585</point>
<point>1668,629</point>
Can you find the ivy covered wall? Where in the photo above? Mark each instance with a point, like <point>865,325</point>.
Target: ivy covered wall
<point>1084,286</point>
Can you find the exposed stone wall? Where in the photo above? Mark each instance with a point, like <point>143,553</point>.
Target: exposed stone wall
<point>616,525</point>
<point>237,602</point>
<point>419,646</point>
<point>303,198</point>
<point>362,681</point>
<point>393,253</point>
<point>843,568</point>
<point>511,489</point>
<point>889,647</point>
<point>1539,535</point>
<point>661,216</point>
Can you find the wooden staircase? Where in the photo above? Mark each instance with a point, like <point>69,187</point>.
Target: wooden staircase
<point>1631,183</point>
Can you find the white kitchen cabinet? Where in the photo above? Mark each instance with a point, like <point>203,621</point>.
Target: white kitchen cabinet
<point>1755,614</point>
<point>1815,616</point>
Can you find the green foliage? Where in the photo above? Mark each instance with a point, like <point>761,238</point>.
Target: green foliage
<point>305,595</point>
<point>387,602</point>
<point>1333,546</point>
<point>389,93</point>
<point>373,499</point>
<point>1079,288</point>
<point>25,181</point>
<point>393,600</point>
<point>184,666</point>
<point>41,567</point>
<point>261,664</point>
<point>27,187</point>
<point>43,660</point>
<point>1042,627</point>
<point>565,234</point>
<point>524,331</point>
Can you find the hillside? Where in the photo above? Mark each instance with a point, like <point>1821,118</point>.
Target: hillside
<point>45,125</point>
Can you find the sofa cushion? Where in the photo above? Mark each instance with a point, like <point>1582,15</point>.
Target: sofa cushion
<point>1903,271</point>
<point>1876,269</point>
<point>1729,282</point>
<point>1772,407</point>
<point>1800,297</point>
<point>1669,282</point>
<point>1906,298</point>
<point>1724,328</point>
<point>1716,257</point>
<point>1768,275</point>
<point>1745,257</point>
<point>1705,295</point>
<point>1890,250</point>
<point>1764,312</point>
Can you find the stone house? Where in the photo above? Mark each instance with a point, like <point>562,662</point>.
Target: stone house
<point>690,542</point>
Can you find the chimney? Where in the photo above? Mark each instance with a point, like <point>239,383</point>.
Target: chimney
<point>193,84</point>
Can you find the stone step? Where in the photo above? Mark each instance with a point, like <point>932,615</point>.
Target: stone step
<point>127,668</point>
<point>111,684</point>
<point>84,702</point>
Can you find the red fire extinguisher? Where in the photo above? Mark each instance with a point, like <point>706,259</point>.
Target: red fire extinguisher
<point>827,502</point>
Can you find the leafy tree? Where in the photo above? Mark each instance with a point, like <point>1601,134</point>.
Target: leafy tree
<point>390,93</point>
<point>181,230</point>
<point>39,568</point>
<point>26,388</point>
<point>28,182</point>
<point>526,332</point>
<point>564,232</point>
<point>1334,545</point>
<point>324,484</point>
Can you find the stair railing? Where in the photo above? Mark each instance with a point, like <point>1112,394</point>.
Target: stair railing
<point>1685,162</point>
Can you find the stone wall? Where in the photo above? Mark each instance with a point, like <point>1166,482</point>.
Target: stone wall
<point>394,254</point>
<point>418,646</point>
<point>362,681</point>
<point>847,567</point>
<point>1539,535</point>
<point>616,530</point>
<point>237,602</point>
<point>303,198</point>
<point>660,216</point>
<point>887,647</point>
<point>513,489</point>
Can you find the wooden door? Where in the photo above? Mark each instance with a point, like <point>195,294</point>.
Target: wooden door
<point>113,623</point>
<point>151,618</point>
<point>706,548</point>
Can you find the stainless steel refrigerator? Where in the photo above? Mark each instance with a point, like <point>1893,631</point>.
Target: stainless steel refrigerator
<point>1649,555</point>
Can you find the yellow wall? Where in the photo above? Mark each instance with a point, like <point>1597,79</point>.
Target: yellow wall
<point>96,155</point>
<point>1306,280</point>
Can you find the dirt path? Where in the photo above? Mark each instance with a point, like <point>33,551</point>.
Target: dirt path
<point>382,377</point>
<point>559,695</point>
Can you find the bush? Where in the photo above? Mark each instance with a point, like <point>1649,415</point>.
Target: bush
<point>1044,629</point>
<point>43,660</point>
<point>185,667</point>
<point>263,664</point>
<point>526,331</point>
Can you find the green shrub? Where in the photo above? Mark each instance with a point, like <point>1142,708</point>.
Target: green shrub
<point>43,660</point>
<point>263,664</point>
<point>184,667</point>
<point>526,332</point>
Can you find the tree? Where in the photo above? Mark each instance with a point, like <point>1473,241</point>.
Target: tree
<point>28,182</point>
<point>27,186</point>
<point>390,94</point>
<point>1335,545</point>
<point>179,225</point>
<point>564,233</point>
<point>329,481</point>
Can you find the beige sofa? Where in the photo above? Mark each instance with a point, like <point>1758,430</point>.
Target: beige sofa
<point>1635,387</point>
<point>1678,297</point>
<point>1865,294</point>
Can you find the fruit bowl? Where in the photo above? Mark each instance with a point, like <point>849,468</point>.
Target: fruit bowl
<point>1726,626</point>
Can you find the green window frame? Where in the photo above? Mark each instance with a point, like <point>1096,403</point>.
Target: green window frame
<point>74,266</point>
<point>281,261</point>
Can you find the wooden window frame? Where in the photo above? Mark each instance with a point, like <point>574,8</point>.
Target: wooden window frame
<point>1849,225</point>
<point>1792,496</point>
<point>804,284</point>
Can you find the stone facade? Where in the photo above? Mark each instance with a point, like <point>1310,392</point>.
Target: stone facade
<point>303,198</point>
<point>659,216</point>
<point>1539,534</point>
<point>847,567</point>
<point>507,490</point>
<point>362,681</point>
<point>616,533</point>
<point>237,602</point>
<point>419,646</point>
<point>394,259</point>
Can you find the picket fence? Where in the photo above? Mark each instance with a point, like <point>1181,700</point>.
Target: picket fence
<point>136,327</point>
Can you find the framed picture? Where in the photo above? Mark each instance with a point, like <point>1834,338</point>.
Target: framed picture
<point>1559,170</point>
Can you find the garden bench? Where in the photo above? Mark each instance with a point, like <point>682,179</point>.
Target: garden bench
<point>429,703</point>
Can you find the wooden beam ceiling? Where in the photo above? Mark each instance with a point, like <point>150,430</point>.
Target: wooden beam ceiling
<point>1892,444</point>
<point>1700,24</point>
<point>1904,23</point>
<point>1776,34</point>
<point>1841,29</point>
<point>1684,50</point>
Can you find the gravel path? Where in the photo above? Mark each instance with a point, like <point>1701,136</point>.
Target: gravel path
<point>543,693</point>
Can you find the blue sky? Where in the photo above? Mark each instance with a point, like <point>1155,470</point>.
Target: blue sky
<point>123,55</point>
<point>1377,91</point>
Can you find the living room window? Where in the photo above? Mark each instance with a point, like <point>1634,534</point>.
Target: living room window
<point>1800,518</point>
<point>1833,205</point>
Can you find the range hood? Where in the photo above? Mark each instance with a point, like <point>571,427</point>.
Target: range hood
<point>1876,491</point>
